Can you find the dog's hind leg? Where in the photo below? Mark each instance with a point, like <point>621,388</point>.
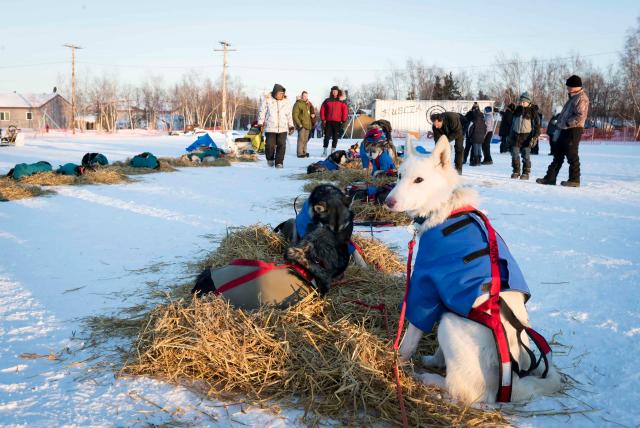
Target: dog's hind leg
<point>410,342</point>
<point>358,260</point>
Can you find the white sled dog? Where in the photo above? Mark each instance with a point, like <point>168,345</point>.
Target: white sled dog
<point>429,188</point>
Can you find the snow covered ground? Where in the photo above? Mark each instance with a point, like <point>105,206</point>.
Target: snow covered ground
<point>89,250</point>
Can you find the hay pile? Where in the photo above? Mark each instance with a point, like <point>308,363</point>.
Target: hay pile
<point>376,253</point>
<point>185,162</point>
<point>123,167</point>
<point>244,158</point>
<point>48,179</point>
<point>330,355</point>
<point>370,211</point>
<point>98,176</point>
<point>102,176</point>
<point>11,190</point>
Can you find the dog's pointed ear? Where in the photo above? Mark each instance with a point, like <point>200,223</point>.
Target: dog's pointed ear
<point>442,152</point>
<point>320,207</point>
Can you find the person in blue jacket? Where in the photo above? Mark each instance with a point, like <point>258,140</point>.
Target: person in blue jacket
<point>453,268</point>
<point>377,152</point>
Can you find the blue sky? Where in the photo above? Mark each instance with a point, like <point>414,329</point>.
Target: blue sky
<point>302,45</point>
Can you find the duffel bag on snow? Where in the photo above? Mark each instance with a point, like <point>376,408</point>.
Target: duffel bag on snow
<point>28,169</point>
<point>249,284</point>
<point>70,169</point>
<point>94,159</point>
<point>145,160</point>
<point>211,152</point>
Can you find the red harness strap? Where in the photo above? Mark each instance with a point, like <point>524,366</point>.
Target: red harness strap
<point>263,268</point>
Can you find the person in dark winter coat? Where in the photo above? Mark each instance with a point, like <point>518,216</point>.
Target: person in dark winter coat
<point>505,127</point>
<point>449,125</point>
<point>535,144</point>
<point>275,118</point>
<point>525,128</point>
<point>571,124</point>
<point>553,132</point>
<point>486,144</point>
<point>333,114</point>
<point>476,133</point>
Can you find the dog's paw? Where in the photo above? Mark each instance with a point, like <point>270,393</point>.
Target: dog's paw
<point>297,254</point>
<point>430,379</point>
<point>432,361</point>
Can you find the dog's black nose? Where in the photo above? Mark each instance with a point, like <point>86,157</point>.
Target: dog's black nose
<point>390,202</point>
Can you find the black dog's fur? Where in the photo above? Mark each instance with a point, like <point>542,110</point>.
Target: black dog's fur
<point>338,157</point>
<point>324,253</point>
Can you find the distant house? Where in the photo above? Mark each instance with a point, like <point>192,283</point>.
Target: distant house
<point>34,110</point>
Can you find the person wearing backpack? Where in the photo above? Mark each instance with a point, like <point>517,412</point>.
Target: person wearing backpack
<point>275,118</point>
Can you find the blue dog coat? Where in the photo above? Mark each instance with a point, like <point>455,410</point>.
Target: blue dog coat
<point>453,268</point>
<point>383,163</point>
<point>303,220</point>
<point>331,165</point>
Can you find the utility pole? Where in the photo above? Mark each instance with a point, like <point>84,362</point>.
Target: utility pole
<point>225,49</point>
<point>73,85</point>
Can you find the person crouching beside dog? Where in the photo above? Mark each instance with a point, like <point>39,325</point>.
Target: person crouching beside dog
<point>378,154</point>
<point>449,125</point>
<point>275,118</point>
<point>331,163</point>
<point>525,128</point>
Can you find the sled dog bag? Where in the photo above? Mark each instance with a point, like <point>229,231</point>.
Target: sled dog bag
<point>94,159</point>
<point>26,170</point>
<point>70,169</point>
<point>145,160</point>
<point>249,284</point>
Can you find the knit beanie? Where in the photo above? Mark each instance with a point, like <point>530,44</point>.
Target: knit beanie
<point>574,82</point>
<point>525,97</point>
<point>375,135</point>
<point>335,88</point>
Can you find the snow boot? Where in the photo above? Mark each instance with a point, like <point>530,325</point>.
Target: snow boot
<point>524,176</point>
<point>570,183</point>
<point>279,165</point>
<point>546,181</point>
<point>487,162</point>
<point>324,152</point>
<point>271,162</point>
<point>515,175</point>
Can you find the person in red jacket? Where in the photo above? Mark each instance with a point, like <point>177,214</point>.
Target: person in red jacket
<point>333,114</point>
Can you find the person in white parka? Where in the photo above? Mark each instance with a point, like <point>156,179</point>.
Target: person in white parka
<point>275,118</point>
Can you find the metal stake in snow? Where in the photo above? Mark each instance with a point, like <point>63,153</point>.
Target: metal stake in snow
<point>225,49</point>
<point>73,85</point>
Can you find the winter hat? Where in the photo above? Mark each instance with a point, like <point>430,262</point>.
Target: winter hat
<point>488,109</point>
<point>574,82</point>
<point>511,106</point>
<point>375,135</point>
<point>525,97</point>
<point>335,87</point>
<point>277,88</point>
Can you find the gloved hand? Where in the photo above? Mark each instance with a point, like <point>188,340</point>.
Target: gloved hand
<point>291,129</point>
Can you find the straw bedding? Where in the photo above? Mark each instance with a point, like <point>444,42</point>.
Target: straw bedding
<point>330,355</point>
<point>125,168</point>
<point>98,176</point>
<point>185,162</point>
<point>11,190</point>
<point>370,211</point>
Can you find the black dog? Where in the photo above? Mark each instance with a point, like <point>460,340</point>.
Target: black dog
<point>332,162</point>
